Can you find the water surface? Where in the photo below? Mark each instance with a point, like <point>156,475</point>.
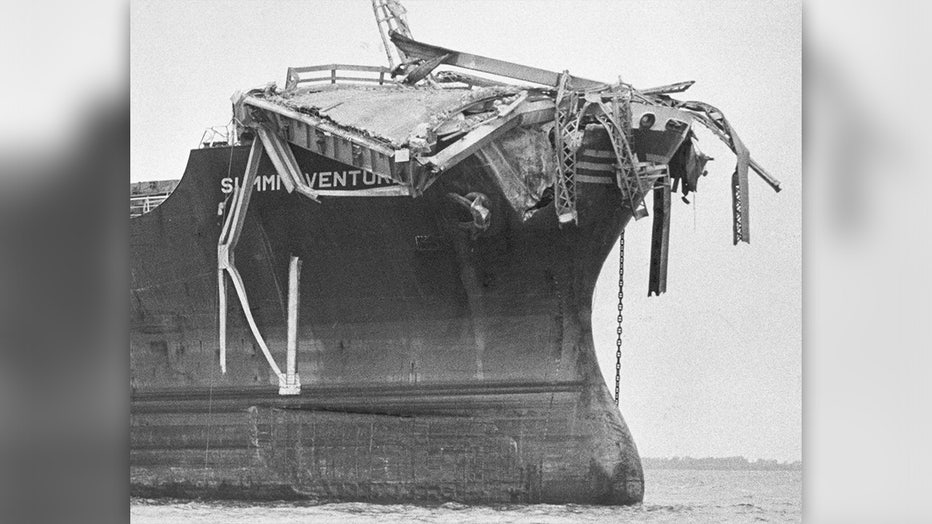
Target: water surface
<point>671,496</point>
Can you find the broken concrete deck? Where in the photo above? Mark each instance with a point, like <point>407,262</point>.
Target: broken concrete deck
<point>388,112</point>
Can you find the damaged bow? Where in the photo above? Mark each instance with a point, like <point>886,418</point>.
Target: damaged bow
<point>544,138</point>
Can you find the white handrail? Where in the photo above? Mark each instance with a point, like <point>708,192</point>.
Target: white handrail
<point>140,205</point>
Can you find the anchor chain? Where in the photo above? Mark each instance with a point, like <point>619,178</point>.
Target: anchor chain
<point>621,296</point>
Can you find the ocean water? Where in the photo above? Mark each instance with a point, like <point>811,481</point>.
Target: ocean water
<point>671,496</point>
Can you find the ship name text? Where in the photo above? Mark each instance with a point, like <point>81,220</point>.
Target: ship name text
<point>352,179</point>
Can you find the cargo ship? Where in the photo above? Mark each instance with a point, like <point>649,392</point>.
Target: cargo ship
<point>376,284</point>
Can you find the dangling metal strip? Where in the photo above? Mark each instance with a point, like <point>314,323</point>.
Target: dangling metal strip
<point>740,200</point>
<point>292,384</point>
<point>660,239</point>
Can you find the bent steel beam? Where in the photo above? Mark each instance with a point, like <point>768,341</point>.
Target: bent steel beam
<point>285,163</point>
<point>534,75</point>
<point>678,87</point>
<point>703,113</point>
<point>229,237</point>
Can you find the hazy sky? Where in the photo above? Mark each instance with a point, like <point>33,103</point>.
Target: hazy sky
<point>713,367</point>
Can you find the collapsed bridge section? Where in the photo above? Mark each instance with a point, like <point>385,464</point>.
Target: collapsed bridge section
<point>540,133</point>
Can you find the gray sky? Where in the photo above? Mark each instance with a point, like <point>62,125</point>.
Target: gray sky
<point>712,368</point>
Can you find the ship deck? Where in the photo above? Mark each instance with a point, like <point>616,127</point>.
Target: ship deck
<point>389,112</point>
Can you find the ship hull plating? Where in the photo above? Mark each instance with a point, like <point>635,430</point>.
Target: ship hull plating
<point>438,361</point>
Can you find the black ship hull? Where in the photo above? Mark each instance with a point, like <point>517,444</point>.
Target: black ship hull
<point>436,364</point>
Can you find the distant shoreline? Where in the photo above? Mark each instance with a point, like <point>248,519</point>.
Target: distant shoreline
<point>720,463</point>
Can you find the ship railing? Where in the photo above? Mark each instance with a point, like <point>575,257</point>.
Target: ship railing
<point>140,205</point>
<point>218,136</point>
<point>333,73</point>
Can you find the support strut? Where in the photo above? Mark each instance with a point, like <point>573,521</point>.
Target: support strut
<point>567,140</point>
